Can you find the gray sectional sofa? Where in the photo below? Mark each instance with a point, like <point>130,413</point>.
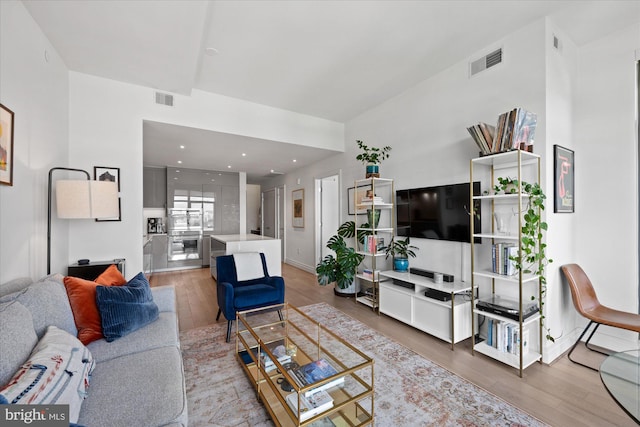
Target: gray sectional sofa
<point>138,379</point>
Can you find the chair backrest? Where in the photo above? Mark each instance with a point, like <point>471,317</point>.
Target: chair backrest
<point>582,292</point>
<point>227,273</point>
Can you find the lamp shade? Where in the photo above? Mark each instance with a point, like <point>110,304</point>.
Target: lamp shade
<point>87,199</point>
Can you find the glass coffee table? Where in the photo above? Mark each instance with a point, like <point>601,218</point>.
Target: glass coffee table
<point>620,374</point>
<point>294,359</point>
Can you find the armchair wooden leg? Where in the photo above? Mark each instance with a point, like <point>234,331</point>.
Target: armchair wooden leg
<point>229,324</point>
<point>218,316</point>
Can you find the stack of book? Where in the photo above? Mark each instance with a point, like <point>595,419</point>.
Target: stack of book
<point>311,404</point>
<point>514,130</point>
<point>312,373</point>
<point>373,244</point>
<point>369,274</point>
<point>369,200</point>
<point>505,337</point>
<point>502,257</point>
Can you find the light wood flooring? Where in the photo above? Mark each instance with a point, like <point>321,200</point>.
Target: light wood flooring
<point>561,394</point>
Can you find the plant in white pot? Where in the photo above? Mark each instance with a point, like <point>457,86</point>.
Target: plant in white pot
<point>372,157</point>
<point>400,250</point>
<point>342,268</point>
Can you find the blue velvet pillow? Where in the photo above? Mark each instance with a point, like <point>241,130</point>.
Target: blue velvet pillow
<point>127,308</point>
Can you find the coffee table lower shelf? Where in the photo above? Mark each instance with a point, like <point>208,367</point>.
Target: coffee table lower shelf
<point>345,412</point>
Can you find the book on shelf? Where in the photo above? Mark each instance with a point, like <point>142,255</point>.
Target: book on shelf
<point>505,337</point>
<point>373,244</point>
<point>502,255</point>
<point>311,404</point>
<point>369,274</point>
<point>515,129</point>
<point>369,200</point>
<point>277,348</point>
<point>313,372</point>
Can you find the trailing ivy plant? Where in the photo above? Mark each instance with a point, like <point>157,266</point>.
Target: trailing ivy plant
<point>534,258</point>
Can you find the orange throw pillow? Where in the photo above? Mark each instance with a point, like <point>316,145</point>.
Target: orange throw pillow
<point>82,298</point>
<point>111,276</point>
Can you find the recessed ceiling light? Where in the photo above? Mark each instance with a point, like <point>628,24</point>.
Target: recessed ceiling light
<point>211,51</point>
<point>244,154</point>
<point>294,160</point>
<point>229,166</point>
<point>272,171</point>
<point>179,162</point>
<point>175,177</point>
<point>182,147</point>
<point>212,180</point>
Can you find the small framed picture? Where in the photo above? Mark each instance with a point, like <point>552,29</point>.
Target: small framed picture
<point>6,146</point>
<point>356,194</point>
<point>103,173</point>
<point>298,208</point>
<point>563,180</point>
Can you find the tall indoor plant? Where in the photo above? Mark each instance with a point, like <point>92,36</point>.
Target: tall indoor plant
<point>342,268</point>
<point>372,157</point>
<point>400,250</point>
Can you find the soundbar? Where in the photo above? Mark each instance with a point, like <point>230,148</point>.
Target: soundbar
<point>436,294</point>
<point>404,284</point>
<point>429,274</point>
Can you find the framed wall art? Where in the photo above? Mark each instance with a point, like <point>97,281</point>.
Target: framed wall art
<point>104,173</point>
<point>298,208</point>
<point>356,193</point>
<point>563,180</point>
<point>6,146</point>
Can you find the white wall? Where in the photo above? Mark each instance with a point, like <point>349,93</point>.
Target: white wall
<point>106,130</point>
<point>35,88</point>
<point>606,232</point>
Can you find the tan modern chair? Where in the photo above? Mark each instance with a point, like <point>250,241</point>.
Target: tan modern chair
<point>587,304</point>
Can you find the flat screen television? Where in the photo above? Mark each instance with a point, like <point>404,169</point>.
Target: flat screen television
<point>440,212</point>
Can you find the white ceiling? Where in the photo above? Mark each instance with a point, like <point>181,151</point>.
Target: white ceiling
<point>330,59</point>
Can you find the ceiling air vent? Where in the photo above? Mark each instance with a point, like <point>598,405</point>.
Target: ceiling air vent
<point>164,99</point>
<point>487,61</point>
<point>273,174</point>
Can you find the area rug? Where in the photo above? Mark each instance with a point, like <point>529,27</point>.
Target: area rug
<point>409,389</point>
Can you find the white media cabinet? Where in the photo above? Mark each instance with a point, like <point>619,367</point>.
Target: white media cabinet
<point>448,320</point>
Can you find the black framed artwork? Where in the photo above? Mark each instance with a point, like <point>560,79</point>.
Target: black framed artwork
<point>104,173</point>
<point>563,180</point>
<point>356,193</point>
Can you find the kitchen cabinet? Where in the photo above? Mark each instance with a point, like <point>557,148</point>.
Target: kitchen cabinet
<point>159,247</point>
<point>154,187</point>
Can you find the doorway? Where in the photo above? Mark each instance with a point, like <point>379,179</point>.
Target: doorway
<point>328,209</point>
<point>273,215</point>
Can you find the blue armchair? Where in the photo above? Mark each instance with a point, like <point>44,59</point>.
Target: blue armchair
<point>244,284</point>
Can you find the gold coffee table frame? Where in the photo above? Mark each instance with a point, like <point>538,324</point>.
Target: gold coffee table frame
<point>260,330</point>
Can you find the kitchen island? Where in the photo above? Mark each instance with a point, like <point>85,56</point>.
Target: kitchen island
<point>226,244</point>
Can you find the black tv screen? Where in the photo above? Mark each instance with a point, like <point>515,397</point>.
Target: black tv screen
<point>440,212</point>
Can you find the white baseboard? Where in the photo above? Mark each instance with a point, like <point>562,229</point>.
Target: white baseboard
<point>301,266</point>
<point>600,339</point>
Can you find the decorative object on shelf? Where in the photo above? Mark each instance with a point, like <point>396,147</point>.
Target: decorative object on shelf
<point>400,250</point>
<point>373,217</point>
<point>6,146</point>
<point>298,208</point>
<point>503,221</point>
<point>534,258</point>
<point>108,174</point>
<point>563,180</point>
<point>372,157</point>
<point>342,267</point>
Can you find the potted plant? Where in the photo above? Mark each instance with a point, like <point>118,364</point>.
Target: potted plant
<point>372,157</point>
<point>533,258</point>
<point>342,268</point>
<point>400,250</point>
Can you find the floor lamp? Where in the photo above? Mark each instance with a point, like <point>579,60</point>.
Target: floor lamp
<point>78,199</point>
